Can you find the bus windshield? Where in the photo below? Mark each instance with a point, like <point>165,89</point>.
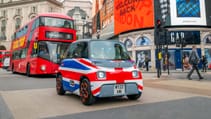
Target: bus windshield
<point>108,50</point>
<point>56,49</point>
<point>56,22</point>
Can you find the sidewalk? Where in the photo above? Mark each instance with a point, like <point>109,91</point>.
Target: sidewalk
<point>177,81</point>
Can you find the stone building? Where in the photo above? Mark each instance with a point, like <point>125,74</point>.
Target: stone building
<point>80,11</point>
<point>15,13</point>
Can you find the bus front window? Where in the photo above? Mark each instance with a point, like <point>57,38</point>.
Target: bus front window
<point>56,22</point>
<point>53,51</point>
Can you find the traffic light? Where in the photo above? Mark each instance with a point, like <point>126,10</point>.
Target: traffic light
<point>158,24</point>
<point>184,43</point>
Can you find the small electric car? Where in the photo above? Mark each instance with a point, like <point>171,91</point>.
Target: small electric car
<point>96,69</point>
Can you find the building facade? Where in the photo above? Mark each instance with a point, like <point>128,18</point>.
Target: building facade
<point>80,11</point>
<point>15,13</point>
<point>134,24</point>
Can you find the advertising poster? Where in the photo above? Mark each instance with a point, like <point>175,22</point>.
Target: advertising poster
<point>208,56</point>
<point>188,12</point>
<point>133,14</point>
<point>207,39</point>
<point>208,11</point>
<point>171,58</point>
<point>140,58</point>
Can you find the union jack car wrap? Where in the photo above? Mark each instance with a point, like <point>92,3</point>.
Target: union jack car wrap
<point>93,77</point>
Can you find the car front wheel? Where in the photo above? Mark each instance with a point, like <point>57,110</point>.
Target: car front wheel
<point>59,85</point>
<point>85,92</point>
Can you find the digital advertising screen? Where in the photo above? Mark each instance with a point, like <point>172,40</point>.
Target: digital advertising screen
<point>208,12</point>
<point>133,14</point>
<point>188,12</point>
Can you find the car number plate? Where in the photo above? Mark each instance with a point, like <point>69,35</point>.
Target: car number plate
<point>119,89</point>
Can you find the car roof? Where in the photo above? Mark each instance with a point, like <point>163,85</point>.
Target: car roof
<point>88,40</point>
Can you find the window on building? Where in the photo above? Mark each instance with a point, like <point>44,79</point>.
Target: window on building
<point>3,30</point>
<point>18,11</point>
<point>143,41</point>
<point>34,9</point>
<point>50,9</point>
<point>128,43</point>
<point>3,13</point>
<point>18,23</point>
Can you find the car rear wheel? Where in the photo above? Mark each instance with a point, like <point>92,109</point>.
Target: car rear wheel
<point>134,97</point>
<point>85,92</point>
<point>59,85</point>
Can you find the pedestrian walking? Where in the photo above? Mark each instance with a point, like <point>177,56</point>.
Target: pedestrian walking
<point>194,60</point>
<point>147,60</point>
<point>204,64</point>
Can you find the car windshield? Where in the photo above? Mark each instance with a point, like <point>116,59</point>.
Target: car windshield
<point>108,50</point>
<point>53,51</point>
<point>56,22</point>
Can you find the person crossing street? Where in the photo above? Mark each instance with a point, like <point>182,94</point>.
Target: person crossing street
<point>194,60</point>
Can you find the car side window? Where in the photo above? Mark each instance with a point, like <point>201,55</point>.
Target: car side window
<point>84,50</point>
<point>78,50</point>
<point>70,51</point>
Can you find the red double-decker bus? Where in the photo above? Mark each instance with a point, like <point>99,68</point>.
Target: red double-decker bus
<point>3,55</point>
<point>38,47</point>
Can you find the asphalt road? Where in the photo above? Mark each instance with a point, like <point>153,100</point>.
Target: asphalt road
<point>190,108</point>
<point>9,81</point>
<point>23,97</point>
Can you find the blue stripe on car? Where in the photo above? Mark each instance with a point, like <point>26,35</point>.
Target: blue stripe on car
<point>73,64</point>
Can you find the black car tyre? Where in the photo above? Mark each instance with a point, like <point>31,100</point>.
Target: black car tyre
<point>134,97</point>
<point>59,85</point>
<point>85,92</point>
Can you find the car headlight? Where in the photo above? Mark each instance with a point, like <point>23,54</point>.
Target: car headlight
<point>43,67</point>
<point>135,74</point>
<point>101,75</point>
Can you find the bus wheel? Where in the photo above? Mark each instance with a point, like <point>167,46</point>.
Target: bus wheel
<point>59,85</point>
<point>13,70</point>
<point>85,92</point>
<point>28,70</point>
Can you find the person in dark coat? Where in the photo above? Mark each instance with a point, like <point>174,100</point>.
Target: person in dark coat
<point>194,60</point>
<point>204,64</point>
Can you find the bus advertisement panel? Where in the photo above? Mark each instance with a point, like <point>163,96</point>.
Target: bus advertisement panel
<point>38,47</point>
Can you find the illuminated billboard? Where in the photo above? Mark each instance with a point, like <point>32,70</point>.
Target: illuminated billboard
<point>188,12</point>
<point>133,14</point>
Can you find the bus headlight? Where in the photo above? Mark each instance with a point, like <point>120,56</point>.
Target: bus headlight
<point>43,67</point>
<point>135,74</point>
<point>101,75</point>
